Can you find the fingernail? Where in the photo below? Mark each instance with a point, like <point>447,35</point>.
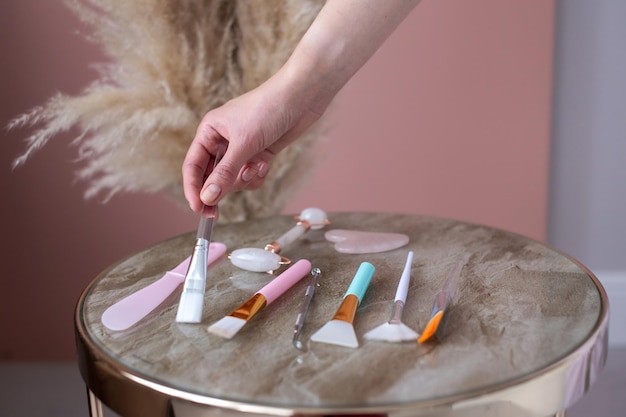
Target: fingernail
<point>248,173</point>
<point>210,194</point>
<point>262,169</point>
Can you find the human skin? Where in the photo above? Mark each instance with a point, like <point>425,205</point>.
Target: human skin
<point>260,123</point>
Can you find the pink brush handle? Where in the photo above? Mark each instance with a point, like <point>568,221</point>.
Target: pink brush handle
<point>286,280</point>
<point>128,311</point>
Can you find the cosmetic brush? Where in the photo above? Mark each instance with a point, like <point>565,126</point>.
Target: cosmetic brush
<point>192,298</point>
<point>131,309</point>
<point>340,330</point>
<point>394,330</point>
<point>443,298</point>
<point>229,325</point>
<point>308,296</point>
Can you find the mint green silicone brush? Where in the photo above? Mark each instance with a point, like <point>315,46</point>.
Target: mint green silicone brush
<point>340,330</point>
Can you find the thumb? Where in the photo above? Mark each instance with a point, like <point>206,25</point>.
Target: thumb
<point>222,179</point>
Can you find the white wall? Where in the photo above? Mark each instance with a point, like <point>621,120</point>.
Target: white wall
<point>587,216</point>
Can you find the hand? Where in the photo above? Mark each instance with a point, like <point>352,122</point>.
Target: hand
<point>262,122</point>
<point>256,127</point>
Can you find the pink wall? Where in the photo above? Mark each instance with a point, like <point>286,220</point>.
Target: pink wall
<point>450,118</point>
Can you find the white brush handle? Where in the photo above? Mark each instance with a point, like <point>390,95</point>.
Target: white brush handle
<point>403,285</point>
<point>291,235</point>
<point>312,218</point>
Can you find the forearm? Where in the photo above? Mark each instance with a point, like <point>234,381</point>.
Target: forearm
<point>345,34</point>
<point>262,122</point>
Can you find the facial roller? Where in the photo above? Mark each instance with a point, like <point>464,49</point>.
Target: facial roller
<point>268,259</point>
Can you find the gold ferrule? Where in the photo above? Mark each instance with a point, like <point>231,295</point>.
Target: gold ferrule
<point>305,224</point>
<point>250,307</point>
<point>347,309</point>
<point>396,313</point>
<point>273,247</point>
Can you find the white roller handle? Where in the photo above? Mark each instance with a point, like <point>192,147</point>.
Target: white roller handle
<point>403,285</point>
<point>291,235</point>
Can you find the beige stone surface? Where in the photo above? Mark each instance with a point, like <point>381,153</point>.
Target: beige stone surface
<point>520,308</point>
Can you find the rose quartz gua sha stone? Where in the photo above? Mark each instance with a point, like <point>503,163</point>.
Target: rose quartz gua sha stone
<point>355,241</point>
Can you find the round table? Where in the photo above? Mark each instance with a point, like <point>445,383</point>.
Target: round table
<point>526,334</point>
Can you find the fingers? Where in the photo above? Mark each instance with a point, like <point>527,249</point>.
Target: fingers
<point>220,179</point>
<point>237,170</point>
<point>248,172</point>
<point>207,145</point>
<point>194,169</point>
<point>227,178</point>
<point>253,174</point>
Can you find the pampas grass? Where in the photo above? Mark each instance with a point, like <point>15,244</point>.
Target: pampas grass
<point>170,61</point>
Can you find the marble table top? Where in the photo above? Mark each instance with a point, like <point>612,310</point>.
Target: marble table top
<point>522,309</point>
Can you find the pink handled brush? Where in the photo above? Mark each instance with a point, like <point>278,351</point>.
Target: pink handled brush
<point>129,310</point>
<point>340,331</point>
<point>394,330</point>
<point>230,325</point>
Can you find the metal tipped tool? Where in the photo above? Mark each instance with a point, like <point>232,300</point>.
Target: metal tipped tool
<point>308,296</point>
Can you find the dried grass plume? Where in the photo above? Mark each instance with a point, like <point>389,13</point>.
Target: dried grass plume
<point>170,61</point>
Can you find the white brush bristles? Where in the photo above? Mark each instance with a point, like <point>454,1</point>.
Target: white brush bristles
<point>337,332</point>
<point>190,307</point>
<point>227,327</point>
<point>394,333</point>
<point>169,63</point>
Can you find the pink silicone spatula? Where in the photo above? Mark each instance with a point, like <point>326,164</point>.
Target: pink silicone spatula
<point>128,311</point>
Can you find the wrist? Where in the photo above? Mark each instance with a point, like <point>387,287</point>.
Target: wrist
<point>310,80</point>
